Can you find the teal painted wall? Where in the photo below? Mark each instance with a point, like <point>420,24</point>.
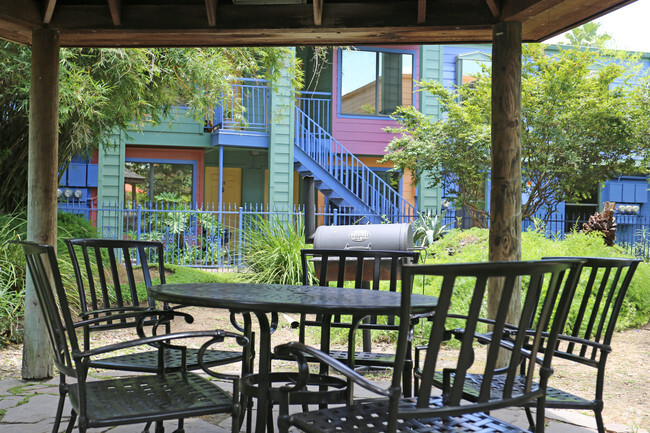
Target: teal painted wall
<point>281,142</point>
<point>177,130</point>
<point>431,57</point>
<point>110,181</point>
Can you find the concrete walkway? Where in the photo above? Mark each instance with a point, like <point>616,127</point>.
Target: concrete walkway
<point>29,407</point>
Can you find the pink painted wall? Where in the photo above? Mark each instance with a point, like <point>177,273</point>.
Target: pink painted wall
<point>365,135</point>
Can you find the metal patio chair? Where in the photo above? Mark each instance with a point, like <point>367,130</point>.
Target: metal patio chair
<point>365,269</point>
<point>585,339</point>
<point>448,412</point>
<point>106,272</point>
<point>136,398</point>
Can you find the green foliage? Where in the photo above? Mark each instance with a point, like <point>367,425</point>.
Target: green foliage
<point>106,90</point>
<point>583,122</point>
<point>272,248</point>
<point>460,246</point>
<point>428,228</point>
<point>587,35</point>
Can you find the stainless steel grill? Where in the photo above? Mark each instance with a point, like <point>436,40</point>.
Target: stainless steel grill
<point>394,237</point>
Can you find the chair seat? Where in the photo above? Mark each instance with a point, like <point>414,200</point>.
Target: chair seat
<point>151,398</point>
<point>365,357</point>
<point>555,398</point>
<point>148,361</point>
<point>371,417</point>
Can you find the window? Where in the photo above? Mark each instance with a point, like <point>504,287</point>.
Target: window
<point>160,181</point>
<point>579,212</point>
<point>469,65</point>
<point>374,83</point>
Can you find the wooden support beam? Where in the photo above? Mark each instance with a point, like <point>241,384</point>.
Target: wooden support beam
<point>116,11</point>
<point>494,8</point>
<point>49,11</point>
<point>505,193</point>
<point>211,11</point>
<point>422,11</point>
<point>318,12</point>
<point>42,179</point>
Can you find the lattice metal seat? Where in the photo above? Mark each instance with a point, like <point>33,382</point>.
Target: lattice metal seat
<point>134,399</point>
<point>449,413</point>
<point>585,340</point>
<point>366,269</point>
<point>107,272</point>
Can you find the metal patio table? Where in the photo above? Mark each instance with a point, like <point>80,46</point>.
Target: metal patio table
<point>261,299</point>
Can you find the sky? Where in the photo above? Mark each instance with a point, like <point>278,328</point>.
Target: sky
<point>628,27</point>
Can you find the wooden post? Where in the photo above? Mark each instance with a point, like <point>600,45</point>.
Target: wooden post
<point>505,197</point>
<point>41,187</point>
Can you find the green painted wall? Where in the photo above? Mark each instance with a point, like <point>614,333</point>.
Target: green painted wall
<point>430,69</point>
<point>281,137</point>
<point>110,186</point>
<point>177,130</point>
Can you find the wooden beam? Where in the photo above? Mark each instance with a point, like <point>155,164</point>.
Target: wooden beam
<point>276,37</point>
<point>49,11</point>
<point>211,11</point>
<point>422,11</point>
<point>116,11</point>
<point>42,179</point>
<point>494,8</point>
<point>318,12</point>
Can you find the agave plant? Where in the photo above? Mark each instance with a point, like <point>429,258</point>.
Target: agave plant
<point>428,228</point>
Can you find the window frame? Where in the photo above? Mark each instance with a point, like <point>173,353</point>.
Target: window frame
<point>191,162</point>
<point>339,84</point>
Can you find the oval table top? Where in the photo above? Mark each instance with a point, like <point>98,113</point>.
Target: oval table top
<point>289,298</point>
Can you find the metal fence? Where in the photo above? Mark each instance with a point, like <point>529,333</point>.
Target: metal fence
<point>632,231</point>
<point>199,236</point>
<point>208,237</point>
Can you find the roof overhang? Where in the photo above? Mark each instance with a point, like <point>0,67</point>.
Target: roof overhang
<point>146,23</point>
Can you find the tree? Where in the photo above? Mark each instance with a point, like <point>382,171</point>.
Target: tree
<point>107,90</point>
<point>587,36</point>
<point>583,122</point>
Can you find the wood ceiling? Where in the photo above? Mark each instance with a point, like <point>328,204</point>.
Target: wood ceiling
<point>131,23</point>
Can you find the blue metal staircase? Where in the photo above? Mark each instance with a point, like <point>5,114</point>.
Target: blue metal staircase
<point>342,177</point>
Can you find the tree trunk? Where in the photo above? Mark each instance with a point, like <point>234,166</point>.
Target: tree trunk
<point>41,187</point>
<point>505,201</point>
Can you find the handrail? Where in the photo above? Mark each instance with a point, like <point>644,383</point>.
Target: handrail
<point>253,96</point>
<point>347,169</point>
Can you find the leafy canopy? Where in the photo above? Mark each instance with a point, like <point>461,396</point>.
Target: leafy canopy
<point>583,121</point>
<point>102,91</point>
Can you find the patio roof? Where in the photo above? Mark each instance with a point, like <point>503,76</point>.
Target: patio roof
<point>116,23</point>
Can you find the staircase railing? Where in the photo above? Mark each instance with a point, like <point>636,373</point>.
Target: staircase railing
<point>348,170</point>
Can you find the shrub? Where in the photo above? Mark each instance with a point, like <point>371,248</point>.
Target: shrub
<point>472,246</point>
<point>272,249</point>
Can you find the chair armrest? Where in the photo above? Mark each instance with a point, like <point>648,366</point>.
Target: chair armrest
<point>298,350</point>
<point>110,311</point>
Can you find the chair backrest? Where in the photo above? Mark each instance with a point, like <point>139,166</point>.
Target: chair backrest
<point>108,272</point>
<point>46,279</point>
<point>596,305</point>
<point>366,269</point>
<point>557,279</point>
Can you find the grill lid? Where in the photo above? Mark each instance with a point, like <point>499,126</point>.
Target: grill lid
<point>397,237</point>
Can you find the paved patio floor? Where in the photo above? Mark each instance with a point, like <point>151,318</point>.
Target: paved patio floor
<point>29,407</point>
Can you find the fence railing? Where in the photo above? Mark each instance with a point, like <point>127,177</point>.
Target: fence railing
<point>632,231</point>
<point>206,237</point>
<point>198,236</point>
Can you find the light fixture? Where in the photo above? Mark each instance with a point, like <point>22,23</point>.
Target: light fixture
<point>67,193</point>
<point>445,204</point>
<point>268,2</point>
<point>78,193</point>
<point>59,192</point>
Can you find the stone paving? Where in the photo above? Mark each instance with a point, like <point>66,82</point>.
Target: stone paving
<point>29,407</point>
